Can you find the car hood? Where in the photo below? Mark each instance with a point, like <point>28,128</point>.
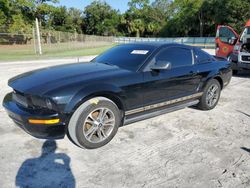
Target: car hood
<point>41,81</point>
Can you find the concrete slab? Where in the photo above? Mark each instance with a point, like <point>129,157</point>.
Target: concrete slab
<point>187,148</point>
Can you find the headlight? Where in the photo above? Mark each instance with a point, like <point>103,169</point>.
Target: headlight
<point>236,47</point>
<point>42,102</point>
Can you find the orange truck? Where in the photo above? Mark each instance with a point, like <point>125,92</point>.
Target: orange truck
<point>234,47</point>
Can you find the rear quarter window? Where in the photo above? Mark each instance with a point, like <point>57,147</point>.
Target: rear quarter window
<point>202,57</point>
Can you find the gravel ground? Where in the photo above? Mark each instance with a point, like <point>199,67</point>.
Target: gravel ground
<point>186,148</point>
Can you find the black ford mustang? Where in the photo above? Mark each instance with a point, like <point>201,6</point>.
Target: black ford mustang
<point>128,83</point>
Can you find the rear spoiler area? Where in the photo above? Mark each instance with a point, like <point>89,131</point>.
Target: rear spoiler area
<point>220,58</point>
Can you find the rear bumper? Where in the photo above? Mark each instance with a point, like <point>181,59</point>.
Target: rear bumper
<point>21,117</point>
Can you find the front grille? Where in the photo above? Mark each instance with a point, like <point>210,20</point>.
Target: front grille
<point>20,99</point>
<point>245,58</point>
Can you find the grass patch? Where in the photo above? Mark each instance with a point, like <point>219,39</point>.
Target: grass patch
<point>7,54</point>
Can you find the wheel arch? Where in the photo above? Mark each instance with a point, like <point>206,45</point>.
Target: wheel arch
<point>215,74</point>
<point>110,92</point>
<point>220,80</point>
<point>114,97</point>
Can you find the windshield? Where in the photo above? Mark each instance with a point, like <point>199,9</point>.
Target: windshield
<point>245,35</point>
<point>248,30</point>
<point>128,56</point>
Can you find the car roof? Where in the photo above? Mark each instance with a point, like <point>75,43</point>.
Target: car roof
<point>158,44</point>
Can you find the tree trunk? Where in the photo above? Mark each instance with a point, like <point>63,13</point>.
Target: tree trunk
<point>137,33</point>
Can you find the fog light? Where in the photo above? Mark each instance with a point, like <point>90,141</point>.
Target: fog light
<point>44,121</point>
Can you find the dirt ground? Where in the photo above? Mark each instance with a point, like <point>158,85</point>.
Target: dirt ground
<point>186,148</point>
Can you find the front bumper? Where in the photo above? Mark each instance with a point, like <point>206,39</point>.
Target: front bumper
<point>240,65</point>
<point>239,61</point>
<point>22,115</point>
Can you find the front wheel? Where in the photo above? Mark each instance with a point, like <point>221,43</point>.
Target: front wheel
<point>210,96</point>
<point>94,123</point>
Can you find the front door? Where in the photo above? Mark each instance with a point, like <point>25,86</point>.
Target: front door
<point>225,40</point>
<point>178,81</point>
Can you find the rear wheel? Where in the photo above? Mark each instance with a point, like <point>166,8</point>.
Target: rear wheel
<point>94,123</point>
<point>210,96</point>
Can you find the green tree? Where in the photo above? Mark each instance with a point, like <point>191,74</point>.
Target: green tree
<point>67,20</point>
<point>227,12</point>
<point>101,19</point>
<point>145,19</point>
<point>37,9</point>
<point>200,17</point>
<point>18,25</point>
<point>134,16</point>
<point>74,20</point>
<point>156,17</point>
<point>185,18</point>
<point>5,13</point>
<point>4,7</point>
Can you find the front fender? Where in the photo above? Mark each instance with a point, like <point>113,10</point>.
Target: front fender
<point>89,92</point>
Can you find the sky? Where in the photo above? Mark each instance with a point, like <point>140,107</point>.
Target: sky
<point>80,4</point>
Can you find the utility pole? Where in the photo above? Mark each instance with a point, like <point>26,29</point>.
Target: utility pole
<point>38,38</point>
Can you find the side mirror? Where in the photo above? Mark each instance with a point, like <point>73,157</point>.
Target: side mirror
<point>232,40</point>
<point>161,65</point>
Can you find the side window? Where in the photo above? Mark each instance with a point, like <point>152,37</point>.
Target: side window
<point>202,57</point>
<point>178,57</point>
<point>225,34</point>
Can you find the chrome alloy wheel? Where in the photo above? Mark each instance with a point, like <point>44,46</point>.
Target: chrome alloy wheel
<point>98,125</point>
<point>212,95</point>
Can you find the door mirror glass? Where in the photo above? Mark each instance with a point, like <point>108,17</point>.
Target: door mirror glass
<point>161,65</point>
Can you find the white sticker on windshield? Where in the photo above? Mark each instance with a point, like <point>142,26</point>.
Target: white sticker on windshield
<point>140,52</point>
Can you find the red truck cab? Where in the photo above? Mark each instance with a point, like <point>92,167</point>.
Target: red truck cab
<point>234,47</point>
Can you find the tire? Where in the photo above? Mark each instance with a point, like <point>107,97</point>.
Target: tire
<point>204,104</point>
<point>94,123</point>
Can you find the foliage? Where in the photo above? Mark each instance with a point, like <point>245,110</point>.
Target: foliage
<point>200,17</point>
<point>159,18</point>
<point>101,19</point>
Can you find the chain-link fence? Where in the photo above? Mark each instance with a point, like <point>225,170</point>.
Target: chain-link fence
<point>58,44</point>
<point>55,40</point>
<point>202,42</point>
<point>51,41</point>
